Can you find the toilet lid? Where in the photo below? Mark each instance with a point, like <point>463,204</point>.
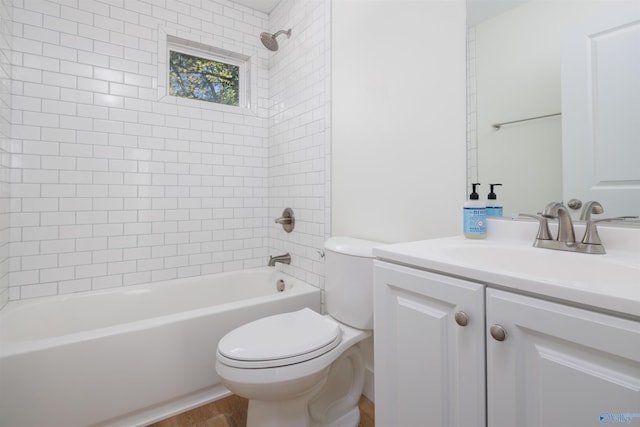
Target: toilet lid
<point>279,340</point>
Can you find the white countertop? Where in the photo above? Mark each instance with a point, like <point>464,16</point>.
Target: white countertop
<point>507,259</point>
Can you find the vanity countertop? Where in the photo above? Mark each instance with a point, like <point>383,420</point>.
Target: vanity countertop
<point>507,259</point>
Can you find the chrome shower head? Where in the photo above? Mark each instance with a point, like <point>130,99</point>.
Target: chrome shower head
<point>269,40</point>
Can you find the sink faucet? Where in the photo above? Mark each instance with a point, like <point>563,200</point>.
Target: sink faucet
<point>284,259</point>
<point>565,224</point>
<point>566,238</point>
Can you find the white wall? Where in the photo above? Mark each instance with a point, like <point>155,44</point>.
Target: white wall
<point>518,76</point>
<point>5,141</point>
<point>398,124</point>
<point>398,156</point>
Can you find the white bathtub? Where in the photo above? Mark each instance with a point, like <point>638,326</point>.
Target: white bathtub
<point>129,356</point>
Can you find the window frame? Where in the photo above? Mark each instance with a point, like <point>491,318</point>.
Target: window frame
<point>213,54</point>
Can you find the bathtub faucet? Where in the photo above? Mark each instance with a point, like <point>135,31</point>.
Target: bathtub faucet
<point>284,259</point>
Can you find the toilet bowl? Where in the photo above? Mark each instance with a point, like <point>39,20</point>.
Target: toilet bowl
<point>302,368</point>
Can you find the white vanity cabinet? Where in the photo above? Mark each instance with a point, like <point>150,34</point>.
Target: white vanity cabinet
<point>547,363</point>
<point>559,365</point>
<point>429,349</point>
<point>559,331</point>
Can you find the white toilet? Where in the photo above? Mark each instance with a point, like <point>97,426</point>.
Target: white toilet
<point>304,369</point>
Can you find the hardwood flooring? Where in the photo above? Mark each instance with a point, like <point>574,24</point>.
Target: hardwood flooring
<point>232,412</point>
<point>367,413</point>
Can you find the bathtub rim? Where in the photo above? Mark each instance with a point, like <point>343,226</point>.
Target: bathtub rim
<point>294,287</point>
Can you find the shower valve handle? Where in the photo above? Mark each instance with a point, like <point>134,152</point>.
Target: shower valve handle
<point>287,220</point>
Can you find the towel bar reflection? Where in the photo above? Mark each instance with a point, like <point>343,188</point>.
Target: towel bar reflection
<point>499,125</point>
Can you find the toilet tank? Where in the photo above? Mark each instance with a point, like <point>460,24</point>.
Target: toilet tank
<point>349,280</point>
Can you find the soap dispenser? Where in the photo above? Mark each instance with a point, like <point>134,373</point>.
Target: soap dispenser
<point>494,208</point>
<point>475,216</point>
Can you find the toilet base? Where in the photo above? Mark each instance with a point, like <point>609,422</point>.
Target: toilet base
<point>288,413</point>
<point>350,419</point>
<point>293,414</point>
<point>331,403</point>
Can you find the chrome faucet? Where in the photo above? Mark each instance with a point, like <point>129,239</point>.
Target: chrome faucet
<point>284,259</point>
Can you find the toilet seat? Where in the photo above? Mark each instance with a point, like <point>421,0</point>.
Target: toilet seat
<point>280,340</point>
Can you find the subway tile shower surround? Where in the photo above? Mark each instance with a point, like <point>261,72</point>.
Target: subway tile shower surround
<point>5,142</point>
<point>115,183</point>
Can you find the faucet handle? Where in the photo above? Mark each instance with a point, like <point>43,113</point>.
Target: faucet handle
<point>591,236</point>
<point>591,207</point>
<point>543,228</point>
<point>287,220</point>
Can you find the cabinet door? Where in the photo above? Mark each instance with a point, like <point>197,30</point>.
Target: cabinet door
<point>559,365</point>
<point>429,370</point>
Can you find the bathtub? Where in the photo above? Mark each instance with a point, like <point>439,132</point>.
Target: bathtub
<point>129,356</point>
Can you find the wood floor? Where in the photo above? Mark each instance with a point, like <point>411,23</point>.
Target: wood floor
<point>232,412</point>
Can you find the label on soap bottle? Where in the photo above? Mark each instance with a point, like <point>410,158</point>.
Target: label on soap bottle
<point>475,221</point>
<point>494,210</point>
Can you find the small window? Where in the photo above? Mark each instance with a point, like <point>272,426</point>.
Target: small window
<point>205,77</point>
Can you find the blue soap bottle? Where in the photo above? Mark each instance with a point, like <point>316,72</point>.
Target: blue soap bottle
<point>475,216</point>
<point>494,208</point>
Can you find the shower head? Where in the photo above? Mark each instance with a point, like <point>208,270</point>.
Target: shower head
<point>269,40</point>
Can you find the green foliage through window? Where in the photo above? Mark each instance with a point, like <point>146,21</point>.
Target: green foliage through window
<point>204,79</point>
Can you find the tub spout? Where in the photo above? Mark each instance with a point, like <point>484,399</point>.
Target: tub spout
<point>284,259</point>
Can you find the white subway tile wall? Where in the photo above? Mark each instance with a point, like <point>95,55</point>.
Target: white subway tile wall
<point>5,143</point>
<point>113,184</point>
<point>472,125</point>
<point>299,134</point>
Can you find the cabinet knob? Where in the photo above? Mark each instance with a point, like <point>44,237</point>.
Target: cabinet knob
<point>498,332</point>
<point>462,318</point>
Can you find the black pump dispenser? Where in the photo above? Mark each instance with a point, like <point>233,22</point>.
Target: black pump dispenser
<point>494,208</point>
<point>492,195</point>
<point>474,194</point>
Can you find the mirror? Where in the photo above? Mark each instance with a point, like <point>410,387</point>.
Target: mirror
<point>515,117</point>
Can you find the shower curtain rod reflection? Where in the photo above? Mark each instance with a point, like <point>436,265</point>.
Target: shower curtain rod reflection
<point>499,125</point>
